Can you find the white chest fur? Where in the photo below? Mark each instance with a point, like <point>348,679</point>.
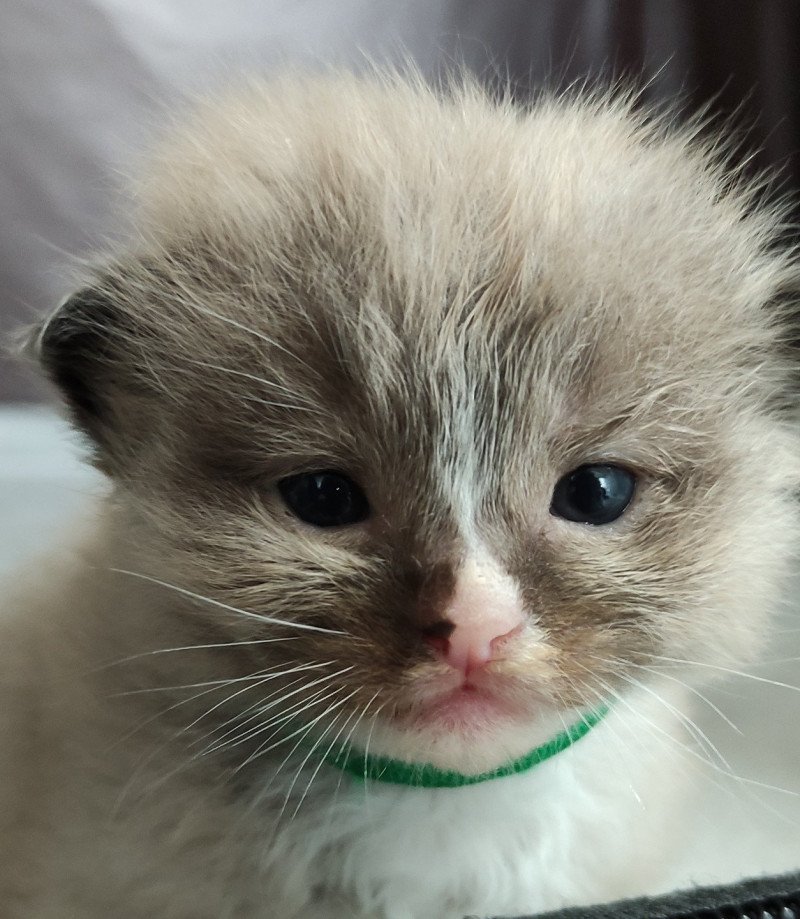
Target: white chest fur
<point>590,824</point>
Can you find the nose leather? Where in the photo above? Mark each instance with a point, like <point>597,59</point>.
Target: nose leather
<point>484,609</point>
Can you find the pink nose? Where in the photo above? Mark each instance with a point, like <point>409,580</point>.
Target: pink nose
<point>484,609</point>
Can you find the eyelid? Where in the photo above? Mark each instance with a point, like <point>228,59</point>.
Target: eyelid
<point>275,468</point>
<point>602,459</point>
<point>649,466</point>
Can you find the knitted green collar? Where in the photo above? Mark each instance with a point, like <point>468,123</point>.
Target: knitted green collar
<point>423,775</point>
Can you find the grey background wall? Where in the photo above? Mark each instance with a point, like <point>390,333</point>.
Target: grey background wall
<point>85,83</point>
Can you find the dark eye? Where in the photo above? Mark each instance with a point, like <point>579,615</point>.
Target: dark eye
<point>324,499</point>
<point>593,494</point>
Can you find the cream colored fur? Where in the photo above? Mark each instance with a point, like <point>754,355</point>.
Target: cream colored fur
<point>457,301</point>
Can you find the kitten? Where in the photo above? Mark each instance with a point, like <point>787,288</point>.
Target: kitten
<point>446,441</point>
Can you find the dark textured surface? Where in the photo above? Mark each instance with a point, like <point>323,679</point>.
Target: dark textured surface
<point>758,898</point>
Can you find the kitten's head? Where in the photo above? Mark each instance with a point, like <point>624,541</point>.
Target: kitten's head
<point>490,398</point>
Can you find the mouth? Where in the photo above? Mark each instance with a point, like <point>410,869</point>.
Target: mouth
<point>470,723</point>
<point>459,749</point>
<point>466,705</point>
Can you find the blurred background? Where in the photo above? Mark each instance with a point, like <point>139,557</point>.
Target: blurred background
<point>84,85</point>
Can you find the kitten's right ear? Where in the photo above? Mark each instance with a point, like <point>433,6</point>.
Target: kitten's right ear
<point>80,349</point>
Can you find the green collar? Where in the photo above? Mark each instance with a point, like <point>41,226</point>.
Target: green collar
<point>423,775</point>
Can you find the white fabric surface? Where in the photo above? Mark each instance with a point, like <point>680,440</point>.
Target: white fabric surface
<point>739,828</point>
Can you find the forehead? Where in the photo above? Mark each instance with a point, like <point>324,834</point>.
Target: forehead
<point>326,184</point>
<point>410,269</point>
<point>334,197</point>
<point>450,394</point>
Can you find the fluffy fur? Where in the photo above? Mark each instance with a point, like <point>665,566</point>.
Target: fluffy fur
<point>456,301</point>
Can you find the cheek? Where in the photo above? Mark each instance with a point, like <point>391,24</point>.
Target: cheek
<point>693,579</point>
<point>600,599</point>
<point>738,574</point>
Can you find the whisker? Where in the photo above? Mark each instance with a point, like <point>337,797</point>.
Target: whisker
<point>671,744</point>
<point>366,746</point>
<point>223,682</point>
<point>700,736</point>
<point>703,698</point>
<point>263,726</point>
<point>143,762</point>
<point>673,748</point>
<point>730,671</point>
<point>257,707</point>
<point>205,692</point>
<point>770,661</point>
<point>165,778</point>
<point>204,647</point>
<point>664,734</point>
<point>304,730</point>
<point>345,745</point>
<point>325,755</point>
<point>694,753</point>
<point>744,783</point>
<point>280,720</point>
<point>364,711</point>
<point>603,702</point>
<point>231,609</point>
<point>303,668</point>
<point>308,755</point>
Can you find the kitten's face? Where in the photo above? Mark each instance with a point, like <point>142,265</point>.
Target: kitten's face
<point>494,417</point>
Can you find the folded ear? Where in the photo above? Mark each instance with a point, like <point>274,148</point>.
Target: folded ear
<point>82,347</point>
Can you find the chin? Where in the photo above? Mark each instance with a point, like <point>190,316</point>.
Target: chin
<point>469,727</point>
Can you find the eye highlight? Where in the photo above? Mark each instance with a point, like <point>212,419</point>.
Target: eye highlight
<point>594,494</point>
<point>324,499</point>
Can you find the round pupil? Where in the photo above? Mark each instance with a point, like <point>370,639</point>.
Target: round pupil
<point>593,494</point>
<point>324,499</point>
